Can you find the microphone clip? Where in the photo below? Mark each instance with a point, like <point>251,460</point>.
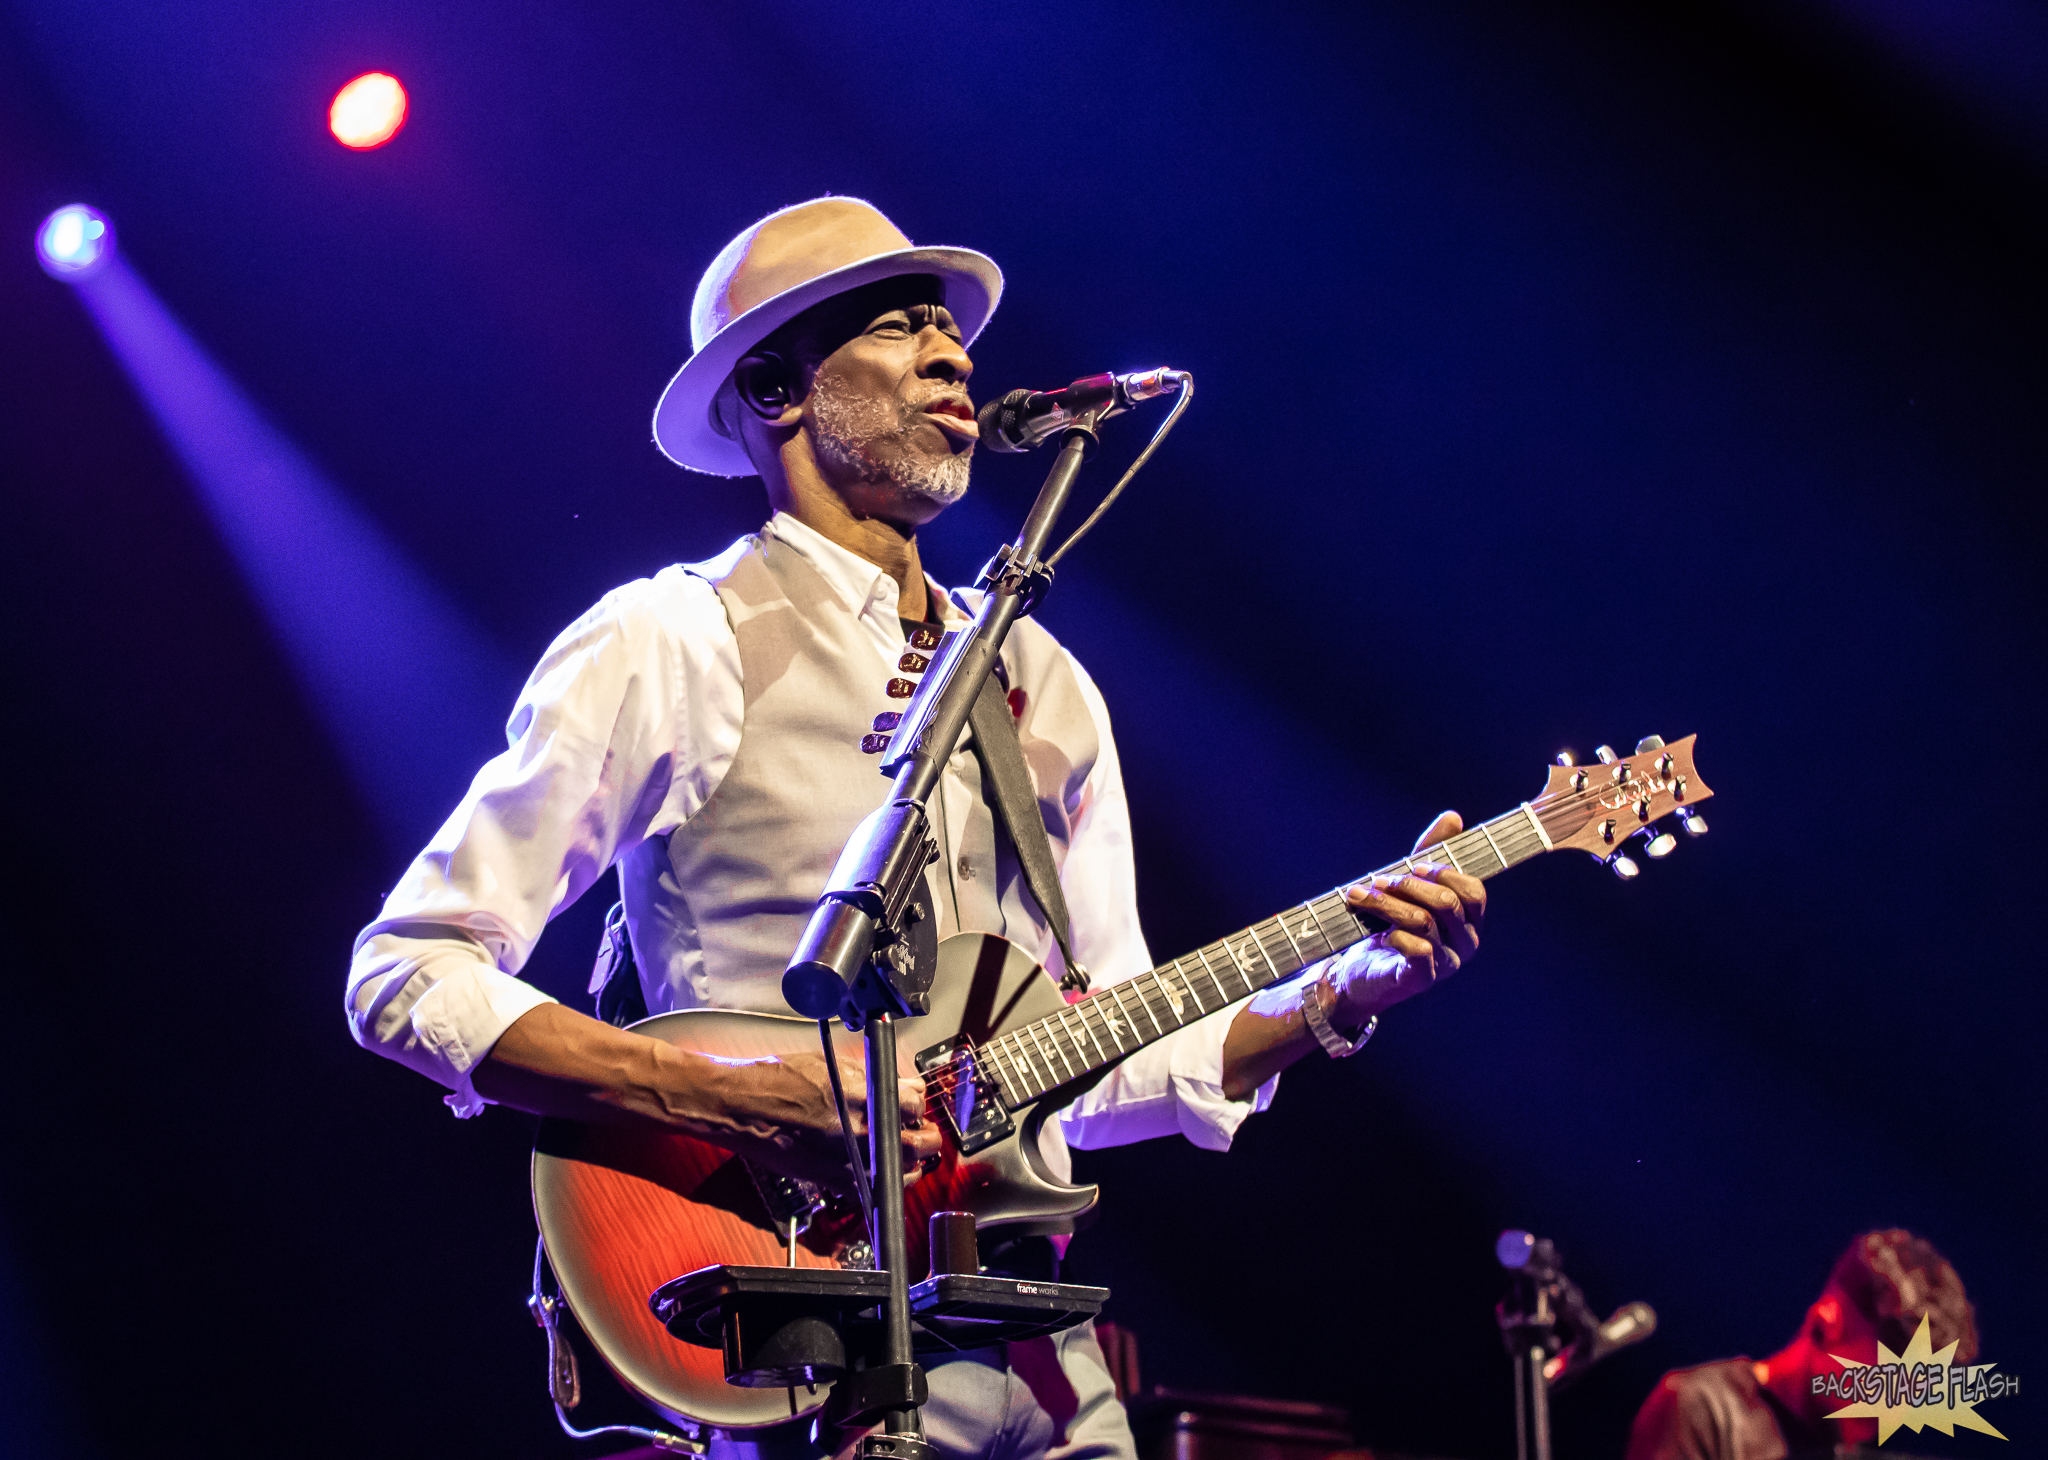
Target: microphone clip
<point>1027,577</point>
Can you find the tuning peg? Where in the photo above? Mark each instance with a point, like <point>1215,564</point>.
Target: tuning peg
<point>1564,758</point>
<point>1694,823</point>
<point>1622,865</point>
<point>1649,743</point>
<point>1605,754</point>
<point>1657,842</point>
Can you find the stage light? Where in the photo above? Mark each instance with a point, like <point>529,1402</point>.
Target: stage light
<point>368,111</point>
<point>74,241</point>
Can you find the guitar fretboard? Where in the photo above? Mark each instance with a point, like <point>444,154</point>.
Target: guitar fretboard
<point>1119,1019</point>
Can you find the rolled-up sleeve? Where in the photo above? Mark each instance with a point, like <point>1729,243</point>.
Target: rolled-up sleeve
<point>602,752</point>
<point>1174,1085</point>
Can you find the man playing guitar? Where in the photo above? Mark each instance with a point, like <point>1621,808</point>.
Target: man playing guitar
<point>712,731</point>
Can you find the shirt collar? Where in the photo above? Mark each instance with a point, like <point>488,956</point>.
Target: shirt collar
<point>861,585</point>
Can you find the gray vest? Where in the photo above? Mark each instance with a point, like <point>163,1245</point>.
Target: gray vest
<point>737,882</point>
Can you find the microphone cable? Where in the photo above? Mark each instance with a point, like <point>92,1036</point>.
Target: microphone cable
<point>1186,394</point>
<point>853,1157</point>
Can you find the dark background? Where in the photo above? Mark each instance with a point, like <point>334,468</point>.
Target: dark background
<point>1569,372</point>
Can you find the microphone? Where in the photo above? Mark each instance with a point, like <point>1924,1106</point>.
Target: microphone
<point>1023,418</point>
<point>1631,1323</point>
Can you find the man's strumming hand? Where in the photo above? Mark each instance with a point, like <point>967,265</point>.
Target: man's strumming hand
<point>776,1110</point>
<point>785,1118</point>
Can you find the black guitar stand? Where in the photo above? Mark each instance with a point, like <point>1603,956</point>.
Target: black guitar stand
<point>1551,1334</point>
<point>867,958</point>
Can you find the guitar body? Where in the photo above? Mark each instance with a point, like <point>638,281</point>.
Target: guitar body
<point>623,1211</point>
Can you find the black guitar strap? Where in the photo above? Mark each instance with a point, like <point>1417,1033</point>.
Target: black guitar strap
<point>1008,783</point>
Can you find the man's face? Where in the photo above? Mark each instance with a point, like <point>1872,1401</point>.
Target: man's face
<point>889,414</point>
<point>1837,1326</point>
<point>1834,1325</point>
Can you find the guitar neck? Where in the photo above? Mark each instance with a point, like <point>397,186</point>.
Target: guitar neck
<point>1122,1018</point>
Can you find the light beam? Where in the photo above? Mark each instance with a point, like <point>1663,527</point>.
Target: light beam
<point>412,692</point>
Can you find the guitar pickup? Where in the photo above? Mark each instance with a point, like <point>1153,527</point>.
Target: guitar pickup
<point>967,1092</point>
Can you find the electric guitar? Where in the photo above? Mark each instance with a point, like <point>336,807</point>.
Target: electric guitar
<point>623,1211</point>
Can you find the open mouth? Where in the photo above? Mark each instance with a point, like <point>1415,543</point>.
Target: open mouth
<point>954,414</point>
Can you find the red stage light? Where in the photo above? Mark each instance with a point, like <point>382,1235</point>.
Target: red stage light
<point>368,111</point>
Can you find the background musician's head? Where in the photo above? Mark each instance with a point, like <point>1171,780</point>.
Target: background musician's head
<point>1877,1292</point>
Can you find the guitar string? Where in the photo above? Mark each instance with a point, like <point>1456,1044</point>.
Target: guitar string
<point>1515,834</point>
<point>1512,824</point>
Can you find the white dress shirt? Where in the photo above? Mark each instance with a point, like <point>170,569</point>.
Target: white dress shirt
<point>621,734</point>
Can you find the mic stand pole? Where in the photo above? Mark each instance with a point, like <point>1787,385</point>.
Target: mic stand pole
<point>859,960</point>
<point>1529,1346</point>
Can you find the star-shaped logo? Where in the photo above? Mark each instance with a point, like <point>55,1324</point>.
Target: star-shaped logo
<point>1917,1389</point>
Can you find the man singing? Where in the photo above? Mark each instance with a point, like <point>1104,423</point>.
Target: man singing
<point>712,731</point>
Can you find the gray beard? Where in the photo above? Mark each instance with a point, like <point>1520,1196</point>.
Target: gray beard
<point>867,440</point>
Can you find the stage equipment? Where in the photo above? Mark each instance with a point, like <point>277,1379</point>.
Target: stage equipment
<point>1024,418</point>
<point>74,242</point>
<point>1551,1334</point>
<point>368,111</point>
<point>625,1211</point>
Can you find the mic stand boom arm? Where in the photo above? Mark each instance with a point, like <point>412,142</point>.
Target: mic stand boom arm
<point>856,961</point>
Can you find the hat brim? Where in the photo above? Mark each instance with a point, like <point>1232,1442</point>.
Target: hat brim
<point>683,425</point>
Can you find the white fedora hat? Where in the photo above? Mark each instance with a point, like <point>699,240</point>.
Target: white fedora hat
<point>775,271</point>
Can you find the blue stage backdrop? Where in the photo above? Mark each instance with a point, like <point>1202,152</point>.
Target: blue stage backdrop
<point>1569,373</point>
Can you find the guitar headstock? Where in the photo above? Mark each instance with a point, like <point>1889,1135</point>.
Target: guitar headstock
<point>1600,806</point>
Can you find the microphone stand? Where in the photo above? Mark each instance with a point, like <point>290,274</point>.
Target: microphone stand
<point>860,959</point>
<point>1551,1334</point>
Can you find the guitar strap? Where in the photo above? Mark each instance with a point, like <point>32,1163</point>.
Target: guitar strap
<point>1010,795</point>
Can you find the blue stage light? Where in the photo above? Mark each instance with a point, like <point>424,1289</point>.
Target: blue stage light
<point>74,241</point>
